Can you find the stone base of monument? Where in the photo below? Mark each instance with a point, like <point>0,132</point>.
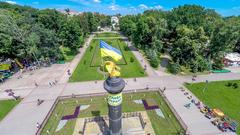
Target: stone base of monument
<point>134,123</point>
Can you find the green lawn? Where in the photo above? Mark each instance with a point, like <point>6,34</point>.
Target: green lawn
<point>87,68</point>
<point>165,126</point>
<point>6,106</point>
<point>218,95</point>
<point>67,53</point>
<point>107,34</point>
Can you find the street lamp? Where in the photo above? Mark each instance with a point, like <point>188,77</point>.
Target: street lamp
<point>205,85</point>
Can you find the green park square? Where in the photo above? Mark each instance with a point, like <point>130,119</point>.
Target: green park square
<point>168,125</point>
<point>219,95</point>
<point>88,67</point>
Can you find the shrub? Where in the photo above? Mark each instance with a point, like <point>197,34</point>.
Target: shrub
<point>174,68</point>
<point>153,58</point>
<point>126,48</point>
<point>131,59</point>
<point>229,84</point>
<point>91,48</point>
<point>154,62</point>
<point>235,85</point>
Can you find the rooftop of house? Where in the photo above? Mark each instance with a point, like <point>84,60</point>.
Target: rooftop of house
<point>233,56</point>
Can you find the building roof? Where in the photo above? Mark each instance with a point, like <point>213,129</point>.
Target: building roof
<point>233,56</point>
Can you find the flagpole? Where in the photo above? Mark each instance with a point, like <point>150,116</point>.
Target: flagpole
<point>102,64</point>
<point>103,68</point>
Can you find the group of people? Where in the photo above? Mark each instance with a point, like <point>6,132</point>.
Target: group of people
<point>53,83</point>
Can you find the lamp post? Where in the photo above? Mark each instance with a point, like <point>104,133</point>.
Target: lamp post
<point>205,86</point>
<point>114,87</point>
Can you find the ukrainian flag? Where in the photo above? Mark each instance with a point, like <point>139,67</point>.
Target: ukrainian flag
<point>107,50</point>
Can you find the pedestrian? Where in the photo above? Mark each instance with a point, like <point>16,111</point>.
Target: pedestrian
<point>135,79</point>
<point>73,96</point>
<point>145,67</point>
<point>36,84</point>
<point>38,125</point>
<point>164,88</point>
<point>188,105</point>
<point>147,87</point>
<point>50,83</point>
<point>53,83</point>
<point>68,71</point>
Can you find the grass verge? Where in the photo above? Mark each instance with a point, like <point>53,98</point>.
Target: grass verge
<point>6,106</point>
<point>219,95</point>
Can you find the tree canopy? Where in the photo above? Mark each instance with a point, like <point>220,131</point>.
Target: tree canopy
<point>195,37</point>
<point>28,33</point>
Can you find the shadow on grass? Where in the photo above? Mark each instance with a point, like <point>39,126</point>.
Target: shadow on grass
<point>101,122</point>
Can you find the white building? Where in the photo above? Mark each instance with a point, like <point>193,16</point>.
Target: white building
<point>71,12</point>
<point>232,60</point>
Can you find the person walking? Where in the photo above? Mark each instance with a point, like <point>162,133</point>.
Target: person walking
<point>50,83</point>
<point>36,84</point>
<point>38,125</point>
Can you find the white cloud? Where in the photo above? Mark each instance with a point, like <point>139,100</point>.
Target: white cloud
<point>113,7</point>
<point>11,2</point>
<point>97,1</point>
<point>158,7</point>
<point>142,6</point>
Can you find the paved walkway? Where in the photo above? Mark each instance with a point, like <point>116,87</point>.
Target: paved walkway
<point>23,118</point>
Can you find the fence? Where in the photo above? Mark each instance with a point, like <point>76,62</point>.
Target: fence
<point>105,93</point>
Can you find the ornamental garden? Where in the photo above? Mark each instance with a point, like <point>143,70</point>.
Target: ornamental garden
<point>71,116</point>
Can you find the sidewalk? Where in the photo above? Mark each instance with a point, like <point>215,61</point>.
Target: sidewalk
<point>65,77</point>
<point>143,62</point>
<point>23,118</point>
<point>210,77</point>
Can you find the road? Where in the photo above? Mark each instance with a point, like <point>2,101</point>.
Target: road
<point>23,118</point>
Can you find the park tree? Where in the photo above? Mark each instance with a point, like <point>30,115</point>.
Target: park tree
<point>28,33</point>
<point>195,37</point>
<point>51,19</point>
<point>71,34</point>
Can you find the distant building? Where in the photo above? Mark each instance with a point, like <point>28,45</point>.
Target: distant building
<point>115,22</point>
<point>70,12</point>
<point>232,60</point>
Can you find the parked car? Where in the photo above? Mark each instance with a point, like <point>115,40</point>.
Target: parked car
<point>233,126</point>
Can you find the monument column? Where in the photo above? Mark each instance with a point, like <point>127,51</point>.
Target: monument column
<point>114,87</point>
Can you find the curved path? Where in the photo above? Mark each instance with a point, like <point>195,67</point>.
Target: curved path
<point>23,118</point>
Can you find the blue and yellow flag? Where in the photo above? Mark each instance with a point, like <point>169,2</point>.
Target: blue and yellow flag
<point>107,50</point>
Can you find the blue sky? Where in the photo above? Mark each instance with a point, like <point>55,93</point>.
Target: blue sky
<point>224,7</point>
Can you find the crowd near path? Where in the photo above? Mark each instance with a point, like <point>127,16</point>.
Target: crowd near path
<point>23,118</point>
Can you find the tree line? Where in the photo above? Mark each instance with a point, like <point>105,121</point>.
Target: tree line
<point>28,33</point>
<point>196,38</point>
